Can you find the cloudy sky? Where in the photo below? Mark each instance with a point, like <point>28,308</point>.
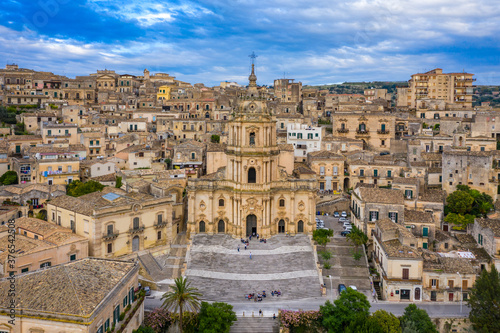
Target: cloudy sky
<point>316,42</point>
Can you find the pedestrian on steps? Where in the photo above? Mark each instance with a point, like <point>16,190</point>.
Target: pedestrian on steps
<point>274,316</point>
<point>238,248</point>
<point>260,312</point>
<point>250,255</point>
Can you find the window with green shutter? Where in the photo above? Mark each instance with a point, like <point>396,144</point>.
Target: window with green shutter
<point>389,173</point>
<point>424,245</point>
<point>375,173</point>
<point>425,232</point>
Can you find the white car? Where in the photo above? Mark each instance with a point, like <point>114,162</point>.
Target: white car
<point>348,228</point>
<point>317,220</point>
<point>353,287</point>
<point>344,214</point>
<point>346,224</point>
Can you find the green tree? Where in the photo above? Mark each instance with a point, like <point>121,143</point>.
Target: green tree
<point>216,317</point>
<point>321,236</point>
<point>215,138</point>
<point>118,182</point>
<point>461,221</point>
<point>484,301</point>
<point>77,188</point>
<point>387,321</point>
<point>351,306</point>
<point>9,178</point>
<point>460,202</point>
<point>168,162</point>
<point>358,238</point>
<point>417,319</point>
<point>181,296</point>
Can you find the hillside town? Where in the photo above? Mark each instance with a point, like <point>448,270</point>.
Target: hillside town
<point>115,185</point>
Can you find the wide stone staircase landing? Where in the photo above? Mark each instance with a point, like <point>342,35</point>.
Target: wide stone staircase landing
<point>255,325</point>
<point>167,267</point>
<point>221,273</point>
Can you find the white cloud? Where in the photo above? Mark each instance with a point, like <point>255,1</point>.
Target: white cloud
<point>146,12</point>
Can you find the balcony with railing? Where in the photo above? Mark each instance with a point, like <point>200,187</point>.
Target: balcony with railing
<point>136,230</point>
<point>383,131</point>
<point>111,235</point>
<point>362,131</point>
<point>343,130</point>
<point>57,172</point>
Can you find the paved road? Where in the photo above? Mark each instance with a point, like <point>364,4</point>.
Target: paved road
<point>433,309</point>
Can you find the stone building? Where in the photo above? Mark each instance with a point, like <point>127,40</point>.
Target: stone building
<point>87,296</point>
<point>41,244</point>
<point>329,168</point>
<point>116,223</point>
<point>486,232</point>
<point>258,191</point>
<point>474,169</point>
<point>370,204</point>
<point>376,129</point>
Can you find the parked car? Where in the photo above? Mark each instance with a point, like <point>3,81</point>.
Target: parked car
<point>349,228</point>
<point>317,220</point>
<point>342,288</point>
<point>353,287</point>
<point>148,291</point>
<point>336,214</point>
<point>384,153</point>
<point>345,233</point>
<point>343,219</point>
<point>346,224</point>
<point>344,214</point>
<point>319,225</point>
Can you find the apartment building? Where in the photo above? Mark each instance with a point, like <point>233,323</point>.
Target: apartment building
<point>453,88</point>
<point>305,139</point>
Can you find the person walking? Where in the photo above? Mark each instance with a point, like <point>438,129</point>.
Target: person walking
<point>238,248</point>
<point>250,255</point>
<point>274,316</point>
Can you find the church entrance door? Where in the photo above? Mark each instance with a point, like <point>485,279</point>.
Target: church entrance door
<point>251,225</point>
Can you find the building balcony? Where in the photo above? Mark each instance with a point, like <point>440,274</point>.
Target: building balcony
<point>362,132</point>
<point>57,172</point>
<point>110,236</point>
<point>25,172</point>
<point>58,135</point>
<point>95,146</point>
<point>382,131</point>
<point>160,224</point>
<point>136,230</point>
<point>343,130</point>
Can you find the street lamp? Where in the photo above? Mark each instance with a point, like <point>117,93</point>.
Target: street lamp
<point>331,286</point>
<point>461,291</point>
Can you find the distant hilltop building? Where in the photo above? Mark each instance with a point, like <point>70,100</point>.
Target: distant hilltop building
<point>454,89</point>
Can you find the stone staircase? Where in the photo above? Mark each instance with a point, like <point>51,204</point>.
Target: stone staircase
<point>222,273</point>
<point>255,325</point>
<point>376,286</point>
<point>166,267</point>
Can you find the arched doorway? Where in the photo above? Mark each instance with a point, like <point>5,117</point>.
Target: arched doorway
<point>251,225</point>
<point>252,176</point>
<point>221,226</point>
<point>202,226</point>
<point>281,227</point>
<point>135,244</point>
<point>346,184</point>
<point>417,294</point>
<point>300,226</point>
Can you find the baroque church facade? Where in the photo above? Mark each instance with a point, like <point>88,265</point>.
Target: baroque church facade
<point>259,190</point>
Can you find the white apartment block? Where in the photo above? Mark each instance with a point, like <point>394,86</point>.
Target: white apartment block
<point>304,138</point>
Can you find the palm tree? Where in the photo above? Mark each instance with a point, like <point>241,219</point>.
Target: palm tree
<point>357,237</point>
<point>181,297</point>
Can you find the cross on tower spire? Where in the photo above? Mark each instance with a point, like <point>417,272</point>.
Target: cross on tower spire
<point>253,56</point>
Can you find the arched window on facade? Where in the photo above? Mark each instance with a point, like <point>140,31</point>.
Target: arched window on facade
<point>252,176</point>
<point>221,227</point>
<point>221,202</point>
<point>282,202</point>
<point>252,139</point>
<point>300,226</point>
<point>136,223</point>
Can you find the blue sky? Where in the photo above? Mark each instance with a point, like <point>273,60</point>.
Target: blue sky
<point>316,42</point>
